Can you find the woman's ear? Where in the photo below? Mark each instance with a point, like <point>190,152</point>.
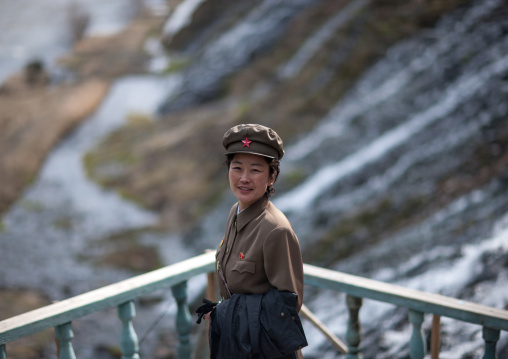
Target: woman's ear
<point>272,178</point>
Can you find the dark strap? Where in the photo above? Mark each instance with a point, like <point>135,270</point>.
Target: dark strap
<point>231,226</point>
<point>221,273</point>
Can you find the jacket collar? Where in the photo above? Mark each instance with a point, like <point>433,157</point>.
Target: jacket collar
<point>251,212</point>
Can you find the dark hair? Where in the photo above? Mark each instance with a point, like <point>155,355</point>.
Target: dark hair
<point>274,168</point>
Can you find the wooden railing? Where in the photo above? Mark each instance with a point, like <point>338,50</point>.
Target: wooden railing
<point>419,303</point>
<point>61,314</point>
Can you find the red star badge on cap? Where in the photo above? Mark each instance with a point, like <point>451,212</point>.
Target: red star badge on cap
<point>246,142</point>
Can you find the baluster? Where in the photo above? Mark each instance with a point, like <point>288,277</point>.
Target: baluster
<point>490,336</point>
<point>129,344</point>
<point>354,329</point>
<point>417,341</point>
<point>64,336</point>
<point>183,320</point>
<point>3,355</point>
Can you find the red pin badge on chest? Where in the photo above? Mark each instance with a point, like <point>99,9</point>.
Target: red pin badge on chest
<point>242,256</point>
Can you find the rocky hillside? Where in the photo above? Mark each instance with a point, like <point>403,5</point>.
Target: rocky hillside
<point>172,165</point>
<point>395,125</point>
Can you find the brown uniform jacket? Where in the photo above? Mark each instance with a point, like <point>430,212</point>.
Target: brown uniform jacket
<point>259,251</point>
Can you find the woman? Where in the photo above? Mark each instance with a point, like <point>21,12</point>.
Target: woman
<point>259,250</point>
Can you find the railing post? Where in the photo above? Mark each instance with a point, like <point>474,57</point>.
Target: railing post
<point>183,320</point>
<point>417,341</point>
<point>64,336</point>
<point>354,329</point>
<point>129,344</point>
<point>2,352</point>
<point>490,336</point>
<point>435,337</point>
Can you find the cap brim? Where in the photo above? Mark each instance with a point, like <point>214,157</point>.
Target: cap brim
<point>249,152</point>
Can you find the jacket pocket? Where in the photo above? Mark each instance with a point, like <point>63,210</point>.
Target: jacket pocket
<point>244,266</point>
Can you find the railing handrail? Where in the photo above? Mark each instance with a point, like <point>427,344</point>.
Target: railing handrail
<point>424,302</point>
<point>122,293</point>
<point>103,298</point>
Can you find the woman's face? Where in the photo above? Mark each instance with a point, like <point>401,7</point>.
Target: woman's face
<point>249,177</point>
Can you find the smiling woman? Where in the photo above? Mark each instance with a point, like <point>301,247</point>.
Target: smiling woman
<point>259,261</point>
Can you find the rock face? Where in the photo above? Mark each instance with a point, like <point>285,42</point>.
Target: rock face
<point>240,71</point>
<point>244,78</point>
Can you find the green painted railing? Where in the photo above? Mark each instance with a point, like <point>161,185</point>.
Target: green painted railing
<point>61,314</point>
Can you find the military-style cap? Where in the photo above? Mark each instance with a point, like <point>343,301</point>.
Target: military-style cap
<point>254,139</point>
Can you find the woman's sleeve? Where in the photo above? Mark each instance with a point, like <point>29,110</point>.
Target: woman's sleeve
<point>283,262</point>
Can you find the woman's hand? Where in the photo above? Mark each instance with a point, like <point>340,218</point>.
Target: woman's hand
<point>205,309</point>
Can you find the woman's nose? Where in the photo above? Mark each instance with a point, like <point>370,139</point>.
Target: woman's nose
<point>245,177</point>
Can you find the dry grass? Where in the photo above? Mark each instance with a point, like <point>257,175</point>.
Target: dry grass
<point>33,120</point>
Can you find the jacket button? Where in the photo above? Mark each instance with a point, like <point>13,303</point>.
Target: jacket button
<point>282,314</point>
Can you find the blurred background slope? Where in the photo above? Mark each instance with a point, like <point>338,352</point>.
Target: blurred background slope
<point>395,126</point>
